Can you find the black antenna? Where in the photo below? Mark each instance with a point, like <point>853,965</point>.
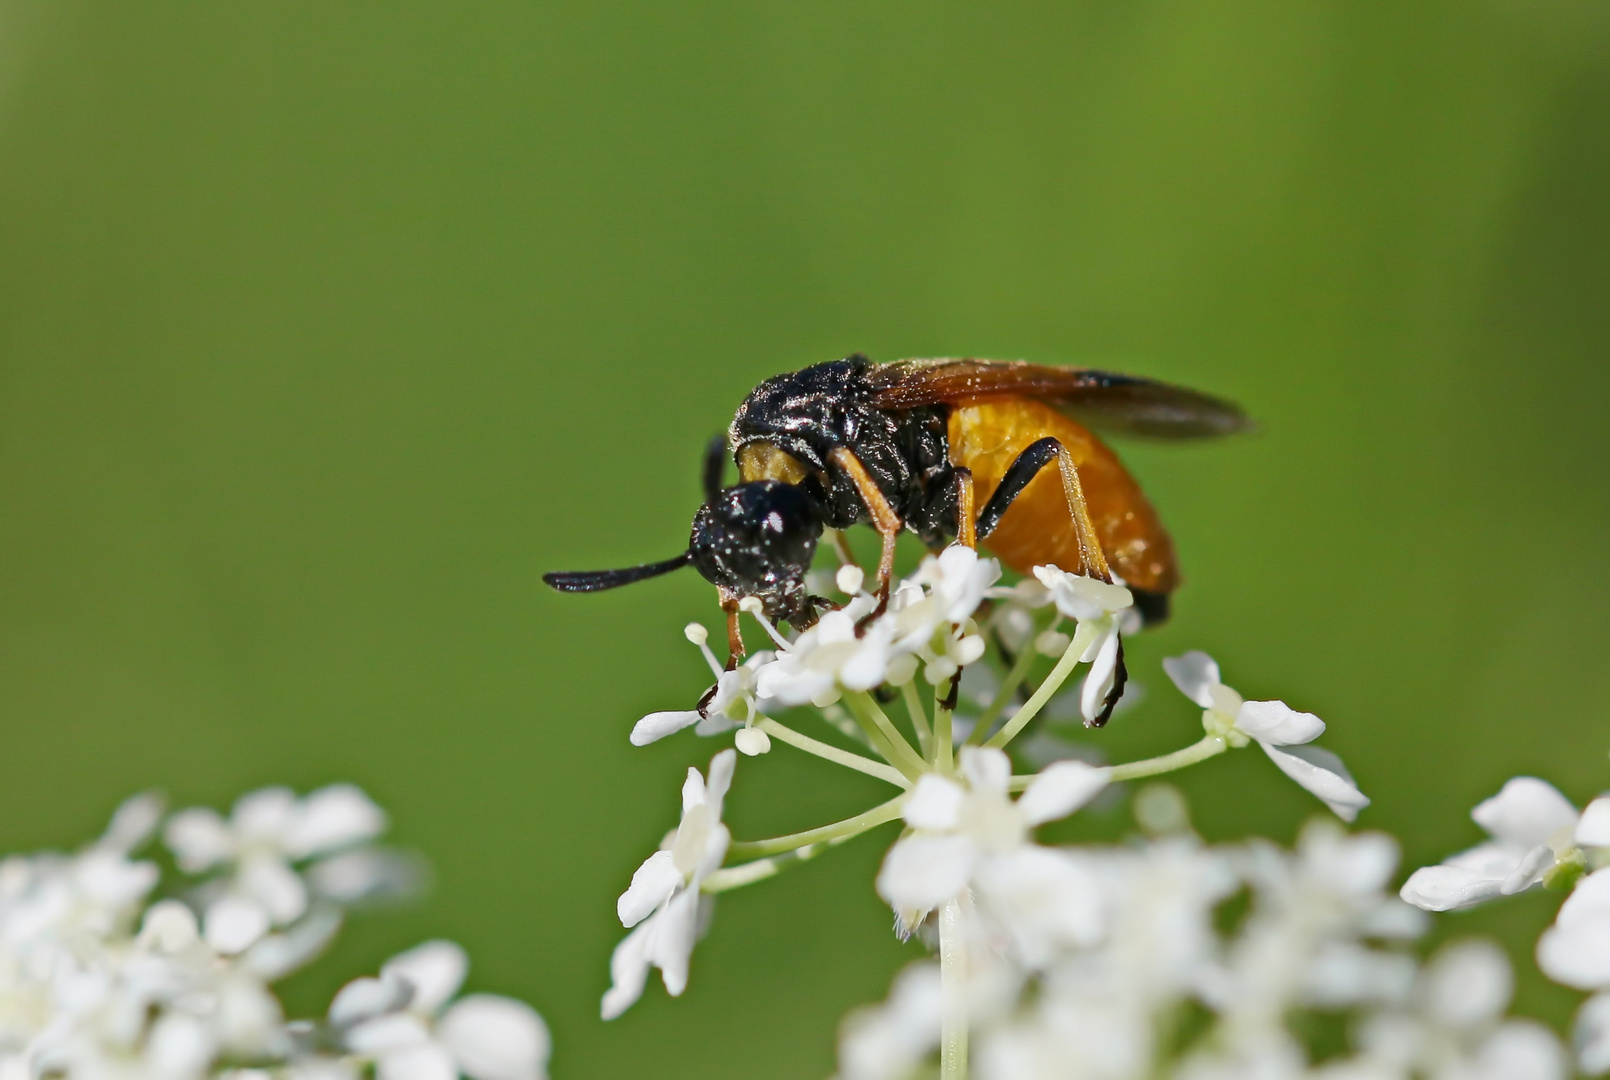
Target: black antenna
<point>599,580</point>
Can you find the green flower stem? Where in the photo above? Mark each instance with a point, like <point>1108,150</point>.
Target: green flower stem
<point>1208,746</point>
<point>836,833</point>
<point>1053,682</point>
<point>919,717</point>
<point>1014,679</point>
<point>886,739</point>
<point>944,756</point>
<point>953,992</point>
<point>846,758</point>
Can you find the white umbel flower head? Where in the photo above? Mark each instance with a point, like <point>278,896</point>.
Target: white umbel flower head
<point>973,836</point>
<point>1576,949</point>
<point>1282,732</point>
<point>265,834</point>
<point>1531,826</point>
<point>663,901</point>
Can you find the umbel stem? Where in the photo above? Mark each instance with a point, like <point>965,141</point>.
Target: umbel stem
<point>953,991</point>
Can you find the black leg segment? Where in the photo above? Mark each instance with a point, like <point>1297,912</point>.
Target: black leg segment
<point>1027,466</point>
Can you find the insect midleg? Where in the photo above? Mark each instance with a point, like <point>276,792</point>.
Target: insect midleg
<point>884,519</point>
<point>1024,468</point>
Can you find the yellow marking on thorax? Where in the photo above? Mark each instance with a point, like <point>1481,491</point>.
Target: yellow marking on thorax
<point>767,461</point>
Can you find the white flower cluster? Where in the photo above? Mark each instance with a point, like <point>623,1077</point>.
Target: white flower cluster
<point>103,977</point>
<point>1168,958</point>
<point>1074,962</point>
<point>1537,837</point>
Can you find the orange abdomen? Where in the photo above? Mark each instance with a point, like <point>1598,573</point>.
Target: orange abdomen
<point>987,435</point>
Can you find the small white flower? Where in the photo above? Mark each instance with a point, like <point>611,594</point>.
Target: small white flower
<point>734,700</point>
<point>1102,606</point>
<point>1280,730</point>
<point>266,833</point>
<point>831,657</point>
<point>403,1022</point>
<point>975,837</point>
<point>663,900</point>
<point>1531,825</point>
<point>957,580</point>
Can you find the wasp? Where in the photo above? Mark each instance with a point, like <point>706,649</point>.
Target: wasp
<point>949,449</point>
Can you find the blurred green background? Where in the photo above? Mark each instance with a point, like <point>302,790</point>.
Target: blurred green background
<point>325,328</point>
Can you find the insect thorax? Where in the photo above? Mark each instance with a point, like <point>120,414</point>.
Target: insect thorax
<point>788,427</point>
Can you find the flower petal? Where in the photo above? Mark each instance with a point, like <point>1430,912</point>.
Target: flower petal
<point>1448,888</point>
<point>925,870</point>
<point>435,970</point>
<point>1576,948</point>
<point>1323,774</point>
<point>333,817</point>
<point>198,838</point>
<point>426,1061</point>
<point>986,768</point>
<point>1591,1033</point>
<point>657,725</point>
<point>933,803</point>
<point>1098,682</point>
<point>1526,811</point>
<point>651,886</point>
<point>1469,984</point>
<point>628,972</point>
<point>1061,788</point>
<point>496,1038</point>
<point>1194,673</point>
<point>1593,830</point>
<point>671,947</point>
<point>721,767</point>
<point>1278,723</point>
<point>233,923</point>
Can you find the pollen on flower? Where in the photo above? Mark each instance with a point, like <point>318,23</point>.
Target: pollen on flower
<point>849,579</point>
<point>696,633</point>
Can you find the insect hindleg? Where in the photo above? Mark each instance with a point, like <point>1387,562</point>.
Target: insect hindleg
<point>884,519</point>
<point>1027,466</point>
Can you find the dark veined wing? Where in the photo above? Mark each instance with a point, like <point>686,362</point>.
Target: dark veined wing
<point>1102,399</point>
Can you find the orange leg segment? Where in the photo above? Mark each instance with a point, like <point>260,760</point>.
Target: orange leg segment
<point>884,519</point>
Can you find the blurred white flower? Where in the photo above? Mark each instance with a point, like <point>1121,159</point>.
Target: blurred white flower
<point>1103,606</point>
<point>888,1041</point>
<point>1279,729</point>
<point>975,837</point>
<point>1576,949</point>
<point>265,834</point>
<point>403,1022</point>
<point>1591,1034</point>
<point>1455,1029</point>
<point>663,901</point>
<point>734,701</point>
<point>1530,824</point>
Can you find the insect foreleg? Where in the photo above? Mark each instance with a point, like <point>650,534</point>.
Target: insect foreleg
<point>884,519</point>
